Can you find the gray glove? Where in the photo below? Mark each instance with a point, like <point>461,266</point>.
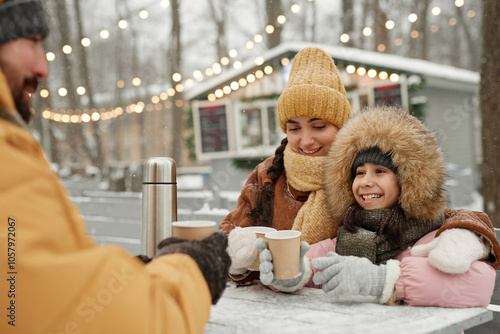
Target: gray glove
<point>266,268</point>
<point>349,276</point>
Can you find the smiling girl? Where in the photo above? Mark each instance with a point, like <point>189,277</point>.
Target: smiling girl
<point>384,178</point>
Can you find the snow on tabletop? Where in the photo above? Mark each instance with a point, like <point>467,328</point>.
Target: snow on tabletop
<point>257,309</point>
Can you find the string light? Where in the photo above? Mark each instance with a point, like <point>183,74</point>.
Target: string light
<point>62,92</point>
<point>176,77</point>
<point>350,69</point>
<point>216,68</point>
<point>234,85</point>
<point>394,77</point>
<point>44,93</point>
<point>50,56</point>
<point>259,61</point>
<point>237,64</point>
<point>81,90</point>
<point>383,75</point>
<point>104,34</point>
<point>67,49</point>
<point>344,38</point>
<point>233,53</point>
<point>452,21</point>
<point>122,24</point>
<point>86,42</point>
<point>136,81</point>
<point>242,82</point>
<point>197,74</point>
<point>268,69</point>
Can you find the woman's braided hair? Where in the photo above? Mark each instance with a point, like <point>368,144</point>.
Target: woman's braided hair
<point>262,213</point>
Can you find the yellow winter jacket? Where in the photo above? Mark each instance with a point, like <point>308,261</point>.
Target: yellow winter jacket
<point>55,279</point>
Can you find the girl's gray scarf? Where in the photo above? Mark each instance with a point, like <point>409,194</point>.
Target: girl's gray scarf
<point>366,243</point>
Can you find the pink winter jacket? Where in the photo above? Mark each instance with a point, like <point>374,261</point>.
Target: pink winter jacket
<point>420,284</point>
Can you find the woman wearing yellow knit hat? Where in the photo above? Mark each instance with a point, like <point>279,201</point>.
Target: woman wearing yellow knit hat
<point>285,191</point>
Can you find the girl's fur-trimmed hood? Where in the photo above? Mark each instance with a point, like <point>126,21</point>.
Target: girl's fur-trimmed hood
<point>415,153</point>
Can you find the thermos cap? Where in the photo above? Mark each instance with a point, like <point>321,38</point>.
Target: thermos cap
<point>159,170</point>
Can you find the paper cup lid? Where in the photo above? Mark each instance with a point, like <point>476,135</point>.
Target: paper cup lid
<point>194,223</point>
<point>260,229</point>
<point>285,234</point>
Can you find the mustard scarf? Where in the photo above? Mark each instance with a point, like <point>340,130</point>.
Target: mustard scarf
<point>305,173</point>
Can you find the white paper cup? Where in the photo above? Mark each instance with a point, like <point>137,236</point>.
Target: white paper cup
<point>285,249</point>
<point>260,231</point>
<point>193,229</point>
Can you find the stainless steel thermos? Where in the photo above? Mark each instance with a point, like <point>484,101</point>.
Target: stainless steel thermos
<point>159,202</point>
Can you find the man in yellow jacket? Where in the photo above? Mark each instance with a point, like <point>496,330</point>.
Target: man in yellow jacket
<point>54,278</point>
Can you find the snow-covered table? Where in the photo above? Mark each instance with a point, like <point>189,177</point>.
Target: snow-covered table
<point>256,309</point>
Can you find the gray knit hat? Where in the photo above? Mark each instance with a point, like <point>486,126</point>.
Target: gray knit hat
<point>375,156</point>
<point>22,19</point>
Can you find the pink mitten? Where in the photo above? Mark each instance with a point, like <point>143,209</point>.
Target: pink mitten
<point>453,251</point>
<point>241,250</point>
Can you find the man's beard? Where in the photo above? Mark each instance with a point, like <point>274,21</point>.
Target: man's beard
<point>24,110</point>
<point>23,107</point>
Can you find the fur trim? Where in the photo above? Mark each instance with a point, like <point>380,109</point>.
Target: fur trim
<point>391,276</point>
<point>415,153</point>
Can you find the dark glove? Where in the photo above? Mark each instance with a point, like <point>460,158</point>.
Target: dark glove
<point>211,256</point>
<point>143,258</point>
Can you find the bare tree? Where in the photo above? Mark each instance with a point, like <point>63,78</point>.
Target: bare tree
<point>490,107</point>
<point>175,61</point>
<point>472,46</point>
<point>218,14</point>
<point>381,33</point>
<point>273,10</point>
<point>76,139</point>
<point>348,20</point>
<point>96,155</point>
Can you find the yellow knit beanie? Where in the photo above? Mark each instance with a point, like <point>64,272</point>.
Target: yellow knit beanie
<point>314,90</point>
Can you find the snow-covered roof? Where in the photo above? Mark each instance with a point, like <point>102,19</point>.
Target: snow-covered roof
<point>350,55</point>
